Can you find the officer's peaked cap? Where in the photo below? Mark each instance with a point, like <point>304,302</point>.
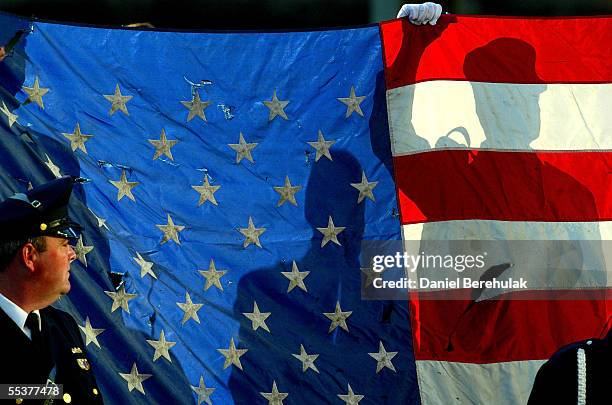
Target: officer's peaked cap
<point>42,211</point>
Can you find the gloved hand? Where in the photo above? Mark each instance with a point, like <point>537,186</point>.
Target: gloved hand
<point>419,14</point>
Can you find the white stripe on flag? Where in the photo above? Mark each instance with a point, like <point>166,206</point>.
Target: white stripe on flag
<point>444,382</point>
<point>569,116</point>
<point>545,255</point>
<point>508,230</point>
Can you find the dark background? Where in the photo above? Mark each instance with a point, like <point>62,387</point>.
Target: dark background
<point>274,14</point>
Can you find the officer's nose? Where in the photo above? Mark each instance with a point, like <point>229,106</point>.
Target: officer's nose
<point>71,254</point>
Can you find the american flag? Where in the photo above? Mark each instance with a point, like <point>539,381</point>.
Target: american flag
<point>233,179</point>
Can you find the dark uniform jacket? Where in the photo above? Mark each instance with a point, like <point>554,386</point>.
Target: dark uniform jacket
<point>23,363</point>
<point>557,380</point>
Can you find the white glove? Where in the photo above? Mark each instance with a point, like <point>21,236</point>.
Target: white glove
<point>419,14</point>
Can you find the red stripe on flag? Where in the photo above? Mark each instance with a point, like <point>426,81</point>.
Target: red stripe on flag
<point>511,329</point>
<point>448,185</point>
<point>566,50</point>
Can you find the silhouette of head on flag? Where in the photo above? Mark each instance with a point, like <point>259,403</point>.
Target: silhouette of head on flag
<point>507,88</point>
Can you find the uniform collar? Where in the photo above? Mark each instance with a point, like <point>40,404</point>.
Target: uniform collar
<point>17,314</point>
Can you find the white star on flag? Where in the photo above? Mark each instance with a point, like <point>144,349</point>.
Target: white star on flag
<point>351,398</point>
<point>91,334</point>
<point>162,347</point>
<point>124,187</point>
<point>365,188</point>
<point>81,250</point>
<point>190,309</point>
<point>331,232</point>
<point>383,358</point>
<point>12,118</point>
<point>276,107</point>
<point>232,355</point>
<point>258,319</point>
<point>118,101</point>
<point>120,299</point>
<point>36,93</point>
<point>53,167</point>
<point>275,397</point>
<point>196,107</point>
<point>213,276</point>
<point>77,139</point>
<point>145,266</point>
<point>306,359</point>
<point>203,392</point>
<point>338,318</point>
<point>170,231</point>
<point>134,379</point>
<point>295,277</point>
<point>321,146</point>
<point>251,234</point>
<point>352,102</point>
<point>243,149</point>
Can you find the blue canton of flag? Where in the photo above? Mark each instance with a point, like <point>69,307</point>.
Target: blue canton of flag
<point>234,177</point>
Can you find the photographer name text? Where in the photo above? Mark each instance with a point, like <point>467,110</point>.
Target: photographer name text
<point>449,283</point>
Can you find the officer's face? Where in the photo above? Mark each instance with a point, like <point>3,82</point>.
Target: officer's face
<point>54,266</point>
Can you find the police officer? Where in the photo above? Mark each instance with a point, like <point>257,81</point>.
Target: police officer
<point>38,342</point>
<point>579,373</point>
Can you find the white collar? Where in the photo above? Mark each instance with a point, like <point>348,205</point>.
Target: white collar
<point>17,314</point>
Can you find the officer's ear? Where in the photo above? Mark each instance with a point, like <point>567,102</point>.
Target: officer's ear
<point>29,255</point>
